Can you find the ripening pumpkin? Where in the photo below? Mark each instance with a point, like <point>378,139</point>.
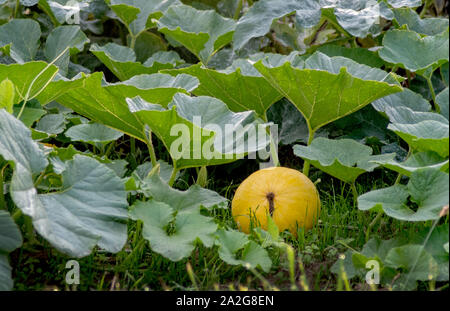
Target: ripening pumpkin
<point>286,194</point>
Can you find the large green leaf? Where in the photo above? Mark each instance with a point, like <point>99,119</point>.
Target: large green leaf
<point>406,98</point>
<point>258,19</point>
<point>66,40</point>
<point>89,209</point>
<point>410,51</point>
<point>232,242</point>
<point>405,3</point>
<point>325,89</point>
<point>10,239</point>
<point>416,162</point>
<point>426,26</point>
<point>7,94</point>
<point>23,35</point>
<point>434,244</point>
<point>423,131</point>
<point>201,131</point>
<point>170,233</point>
<point>427,188</point>
<point>92,133</point>
<point>201,32</point>
<point>105,103</point>
<point>29,79</point>
<point>137,15</point>
<point>443,102</point>
<point>415,261</point>
<point>345,159</point>
<point>29,160</point>
<point>242,88</point>
<point>121,60</point>
<point>359,55</point>
<point>359,18</point>
<point>189,200</point>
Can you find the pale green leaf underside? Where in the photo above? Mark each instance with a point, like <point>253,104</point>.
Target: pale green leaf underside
<point>201,32</point>
<point>410,51</point>
<point>416,162</point>
<point>428,188</point>
<point>188,227</point>
<point>345,159</point>
<point>209,143</point>
<point>253,255</point>
<point>92,133</point>
<point>89,210</point>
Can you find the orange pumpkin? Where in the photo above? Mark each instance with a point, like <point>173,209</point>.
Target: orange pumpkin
<point>286,194</point>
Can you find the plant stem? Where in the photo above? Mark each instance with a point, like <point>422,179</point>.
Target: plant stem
<point>273,146</point>
<point>2,194</point>
<point>307,165</point>
<point>355,192</point>
<point>133,41</point>
<point>374,221</point>
<point>238,10</point>
<point>424,9</point>
<point>433,95</point>
<point>173,176</point>
<point>151,149</point>
<point>16,8</point>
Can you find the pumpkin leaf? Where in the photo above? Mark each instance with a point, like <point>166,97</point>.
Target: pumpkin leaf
<point>423,268</point>
<point>442,101</point>
<point>257,20</point>
<point>173,235</point>
<point>89,210</point>
<point>7,94</point>
<point>105,103</point>
<point>200,131</point>
<point>121,60</point>
<point>362,18</point>
<point>406,98</point>
<point>405,3</point>
<point>29,160</point>
<point>410,51</point>
<point>67,40</point>
<point>315,91</point>
<point>427,188</point>
<point>426,26</point>
<point>23,37</point>
<point>201,32</point>
<point>416,161</point>
<point>344,159</point>
<point>231,242</point>
<point>242,88</point>
<point>10,239</point>
<point>359,55</point>
<point>189,200</point>
<point>29,79</point>
<point>423,131</point>
<point>93,133</point>
<point>52,124</point>
<point>137,15</point>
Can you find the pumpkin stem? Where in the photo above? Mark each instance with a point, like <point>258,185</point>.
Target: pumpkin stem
<point>270,196</point>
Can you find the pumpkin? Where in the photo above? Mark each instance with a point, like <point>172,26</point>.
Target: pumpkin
<point>287,195</point>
